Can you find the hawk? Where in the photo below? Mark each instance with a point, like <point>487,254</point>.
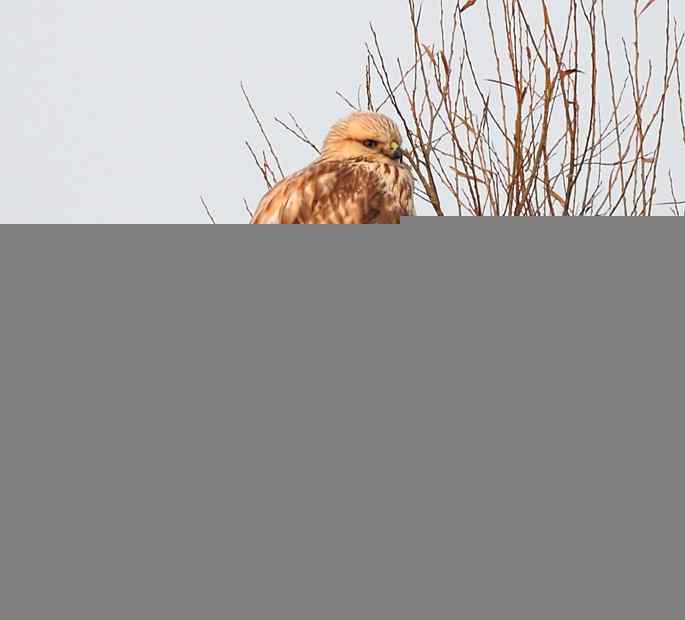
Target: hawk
<point>360,178</point>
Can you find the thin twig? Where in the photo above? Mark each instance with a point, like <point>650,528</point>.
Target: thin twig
<point>207,210</point>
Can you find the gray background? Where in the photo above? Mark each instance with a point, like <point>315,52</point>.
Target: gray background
<point>479,420</point>
<point>128,111</point>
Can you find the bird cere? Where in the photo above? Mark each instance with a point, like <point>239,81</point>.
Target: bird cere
<point>360,178</point>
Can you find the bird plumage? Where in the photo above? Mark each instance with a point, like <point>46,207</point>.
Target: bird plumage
<point>359,179</point>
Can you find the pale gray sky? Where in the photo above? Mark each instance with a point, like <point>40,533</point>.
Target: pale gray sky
<point>128,111</point>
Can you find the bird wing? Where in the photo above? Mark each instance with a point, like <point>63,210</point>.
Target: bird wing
<point>326,192</point>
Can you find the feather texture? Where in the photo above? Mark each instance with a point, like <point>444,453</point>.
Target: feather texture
<point>359,179</point>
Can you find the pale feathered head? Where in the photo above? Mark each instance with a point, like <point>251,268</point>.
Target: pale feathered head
<point>364,134</point>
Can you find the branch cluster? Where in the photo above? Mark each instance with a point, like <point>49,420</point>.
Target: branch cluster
<point>537,137</point>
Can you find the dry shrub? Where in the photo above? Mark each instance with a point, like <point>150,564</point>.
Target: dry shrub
<point>558,129</point>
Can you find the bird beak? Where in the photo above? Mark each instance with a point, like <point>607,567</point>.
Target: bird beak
<point>396,152</point>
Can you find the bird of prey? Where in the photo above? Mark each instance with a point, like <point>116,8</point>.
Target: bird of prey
<point>360,178</point>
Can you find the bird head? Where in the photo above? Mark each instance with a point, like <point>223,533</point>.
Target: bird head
<point>365,135</point>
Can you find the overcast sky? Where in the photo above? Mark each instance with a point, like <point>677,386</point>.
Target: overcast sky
<point>128,111</point>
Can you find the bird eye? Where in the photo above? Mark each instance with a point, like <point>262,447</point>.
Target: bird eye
<point>370,144</point>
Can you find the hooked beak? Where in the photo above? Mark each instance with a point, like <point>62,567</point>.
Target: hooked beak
<point>396,153</point>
